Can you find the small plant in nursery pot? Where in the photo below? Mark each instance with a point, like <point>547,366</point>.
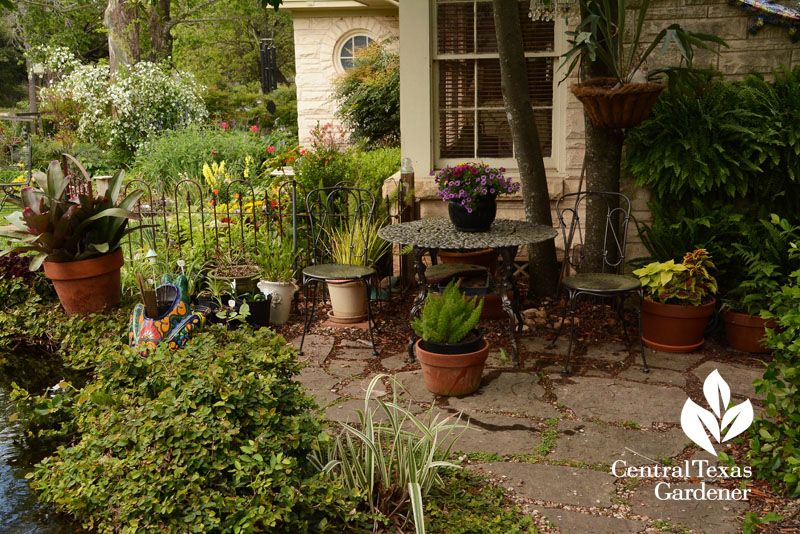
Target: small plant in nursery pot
<point>679,300</point>
<point>276,263</point>
<point>77,240</point>
<point>450,350</point>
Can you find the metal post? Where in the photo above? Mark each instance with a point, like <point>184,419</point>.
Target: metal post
<point>294,223</point>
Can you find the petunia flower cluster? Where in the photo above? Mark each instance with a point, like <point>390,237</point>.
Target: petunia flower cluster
<point>465,183</point>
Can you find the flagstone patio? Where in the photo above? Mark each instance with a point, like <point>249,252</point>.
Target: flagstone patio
<point>550,440</point>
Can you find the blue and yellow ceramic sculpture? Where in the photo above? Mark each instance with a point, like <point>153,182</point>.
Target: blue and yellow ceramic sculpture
<point>174,326</point>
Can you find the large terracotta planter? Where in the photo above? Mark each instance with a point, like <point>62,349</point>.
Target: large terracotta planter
<point>452,374</point>
<point>486,257</point>
<point>745,332</point>
<point>87,286</point>
<point>674,328</point>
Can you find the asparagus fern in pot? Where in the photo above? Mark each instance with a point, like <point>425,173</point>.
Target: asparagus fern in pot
<point>450,350</point>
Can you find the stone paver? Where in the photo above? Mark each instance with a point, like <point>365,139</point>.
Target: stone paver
<point>655,376</point>
<point>607,352</point>
<point>315,348</point>
<point>519,435</point>
<point>620,400</point>
<point>739,378</point>
<point>570,522</point>
<point>512,392</point>
<point>397,361</point>
<point>319,384</point>
<point>596,444</point>
<point>671,360</point>
<point>553,483</point>
<point>356,353</point>
<point>358,389</point>
<point>494,361</point>
<point>538,345</point>
<point>346,368</point>
<point>708,517</point>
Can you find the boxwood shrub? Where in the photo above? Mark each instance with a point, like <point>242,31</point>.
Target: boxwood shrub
<point>212,438</point>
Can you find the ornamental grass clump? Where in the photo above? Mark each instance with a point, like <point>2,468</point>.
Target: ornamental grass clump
<point>467,182</point>
<point>688,283</point>
<point>448,318</point>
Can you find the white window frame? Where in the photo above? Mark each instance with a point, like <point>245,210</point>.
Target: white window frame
<point>556,160</point>
<point>337,49</point>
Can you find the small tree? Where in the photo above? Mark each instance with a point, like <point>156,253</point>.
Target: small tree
<point>369,96</point>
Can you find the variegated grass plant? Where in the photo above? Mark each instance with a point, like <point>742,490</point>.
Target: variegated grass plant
<point>393,462</point>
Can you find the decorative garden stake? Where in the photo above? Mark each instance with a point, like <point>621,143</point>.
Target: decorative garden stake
<point>772,13</point>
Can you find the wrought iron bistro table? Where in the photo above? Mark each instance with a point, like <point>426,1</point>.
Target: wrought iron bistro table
<point>430,235</point>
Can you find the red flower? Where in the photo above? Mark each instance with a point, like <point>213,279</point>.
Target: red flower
<point>236,196</point>
<point>214,153</point>
<point>224,125</point>
<point>302,152</point>
<point>292,158</point>
<point>216,191</point>
<point>270,149</point>
<point>254,128</point>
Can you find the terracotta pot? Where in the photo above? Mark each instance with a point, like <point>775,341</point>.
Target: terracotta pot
<point>745,332</point>
<point>674,328</point>
<point>348,300</point>
<point>485,258</point>
<point>87,286</point>
<point>452,374</point>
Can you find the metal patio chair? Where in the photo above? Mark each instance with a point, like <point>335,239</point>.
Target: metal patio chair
<point>331,209</point>
<point>610,282</point>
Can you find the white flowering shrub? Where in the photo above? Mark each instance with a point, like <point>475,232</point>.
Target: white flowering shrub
<point>123,113</point>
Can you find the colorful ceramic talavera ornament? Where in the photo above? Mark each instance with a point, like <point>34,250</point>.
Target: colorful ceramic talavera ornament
<point>175,324</point>
<point>772,13</point>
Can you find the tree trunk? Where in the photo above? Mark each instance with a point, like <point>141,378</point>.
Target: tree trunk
<point>603,154</point>
<point>123,34</point>
<point>513,75</point>
<point>160,31</point>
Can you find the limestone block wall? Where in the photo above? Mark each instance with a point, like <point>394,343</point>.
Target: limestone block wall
<point>770,48</point>
<point>317,40</point>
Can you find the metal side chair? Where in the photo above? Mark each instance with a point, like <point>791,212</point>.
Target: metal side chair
<point>610,282</point>
<point>333,213</point>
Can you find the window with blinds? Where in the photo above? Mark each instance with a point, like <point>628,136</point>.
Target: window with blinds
<point>471,116</point>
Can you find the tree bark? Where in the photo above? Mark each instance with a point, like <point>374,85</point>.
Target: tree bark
<point>123,34</point>
<point>160,29</point>
<point>603,153</point>
<point>514,80</point>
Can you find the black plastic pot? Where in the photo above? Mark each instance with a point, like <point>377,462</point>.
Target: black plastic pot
<point>484,211</point>
<point>259,312</point>
<point>472,343</point>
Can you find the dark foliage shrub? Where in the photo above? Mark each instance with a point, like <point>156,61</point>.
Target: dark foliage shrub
<point>369,96</point>
<point>212,438</point>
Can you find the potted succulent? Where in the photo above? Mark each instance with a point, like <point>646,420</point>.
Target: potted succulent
<point>679,299</point>
<point>624,99</point>
<point>471,191</point>
<point>451,352</point>
<point>77,240</point>
<point>350,245</point>
<point>276,263</point>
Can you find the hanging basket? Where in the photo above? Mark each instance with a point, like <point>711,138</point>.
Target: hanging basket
<point>623,107</point>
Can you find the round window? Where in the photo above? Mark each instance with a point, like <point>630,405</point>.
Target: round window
<point>350,48</point>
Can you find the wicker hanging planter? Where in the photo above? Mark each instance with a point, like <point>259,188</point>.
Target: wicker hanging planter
<point>623,107</point>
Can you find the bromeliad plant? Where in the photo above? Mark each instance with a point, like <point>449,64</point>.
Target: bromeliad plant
<point>688,283</point>
<point>58,229</point>
<point>447,318</point>
<point>602,35</point>
<point>467,182</point>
